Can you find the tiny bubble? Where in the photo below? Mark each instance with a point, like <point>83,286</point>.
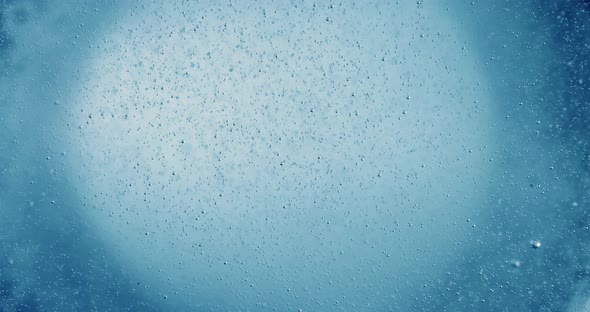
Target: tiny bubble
<point>516,263</point>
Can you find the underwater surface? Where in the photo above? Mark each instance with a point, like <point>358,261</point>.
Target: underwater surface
<point>294,155</point>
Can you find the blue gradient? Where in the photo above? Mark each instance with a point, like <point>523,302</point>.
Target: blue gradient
<point>293,156</point>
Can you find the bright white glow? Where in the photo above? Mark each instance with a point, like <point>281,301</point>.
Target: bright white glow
<point>314,157</point>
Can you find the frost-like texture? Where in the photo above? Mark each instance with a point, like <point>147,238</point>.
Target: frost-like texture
<point>254,156</point>
<point>291,156</point>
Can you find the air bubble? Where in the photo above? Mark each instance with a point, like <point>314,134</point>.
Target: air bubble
<point>515,263</point>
